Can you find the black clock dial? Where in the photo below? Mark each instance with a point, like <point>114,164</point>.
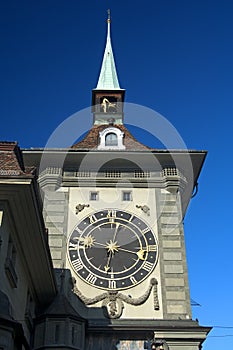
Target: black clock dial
<point>112,249</point>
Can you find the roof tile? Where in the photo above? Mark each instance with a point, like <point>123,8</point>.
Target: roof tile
<point>11,161</point>
<point>91,140</point>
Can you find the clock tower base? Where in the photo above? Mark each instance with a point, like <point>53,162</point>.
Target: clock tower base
<point>69,324</point>
<point>132,334</point>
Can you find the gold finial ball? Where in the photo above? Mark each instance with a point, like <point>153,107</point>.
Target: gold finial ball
<point>109,16</point>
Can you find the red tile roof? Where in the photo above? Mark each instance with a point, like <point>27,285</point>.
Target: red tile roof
<point>91,140</point>
<point>11,161</point>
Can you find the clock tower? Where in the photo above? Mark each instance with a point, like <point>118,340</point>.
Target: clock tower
<point>114,209</point>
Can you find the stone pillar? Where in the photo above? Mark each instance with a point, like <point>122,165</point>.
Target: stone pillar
<point>174,277</point>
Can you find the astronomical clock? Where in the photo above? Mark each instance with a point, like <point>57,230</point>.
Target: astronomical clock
<point>112,250</point>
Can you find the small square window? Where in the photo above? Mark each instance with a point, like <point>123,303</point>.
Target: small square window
<point>127,196</point>
<point>94,196</point>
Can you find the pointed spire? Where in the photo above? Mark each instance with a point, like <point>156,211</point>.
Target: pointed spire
<point>108,75</point>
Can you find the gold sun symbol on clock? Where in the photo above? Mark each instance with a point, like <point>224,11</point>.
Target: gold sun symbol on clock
<point>112,246</point>
<point>87,241</point>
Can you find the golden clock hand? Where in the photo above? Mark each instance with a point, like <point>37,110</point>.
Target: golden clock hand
<point>102,244</point>
<point>140,253</point>
<point>115,232</point>
<point>107,267</point>
<point>112,248</point>
<point>81,240</point>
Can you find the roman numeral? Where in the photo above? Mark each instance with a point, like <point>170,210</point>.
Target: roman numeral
<point>131,218</point>
<point>111,215</point>
<point>147,266</point>
<point>93,219</point>
<point>145,230</point>
<point>78,231</point>
<point>112,284</point>
<point>133,280</point>
<point>77,264</point>
<point>73,246</point>
<point>152,248</point>
<point>91,278</point>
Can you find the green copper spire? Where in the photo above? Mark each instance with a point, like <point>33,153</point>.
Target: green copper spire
<point>108,75</point>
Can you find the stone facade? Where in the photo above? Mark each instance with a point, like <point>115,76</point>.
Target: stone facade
<point>174,278</point>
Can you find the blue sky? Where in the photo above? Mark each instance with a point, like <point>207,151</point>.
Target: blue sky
<point>173,56</point>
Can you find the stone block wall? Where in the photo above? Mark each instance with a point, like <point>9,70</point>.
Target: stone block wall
<point>174,278</point>
<point>55,212</point>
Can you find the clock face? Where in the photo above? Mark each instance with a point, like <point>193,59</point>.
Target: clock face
<point>112,249</point>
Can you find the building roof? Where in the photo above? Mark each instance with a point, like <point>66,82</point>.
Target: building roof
<point>60,306</point>
<point>91,140</point>
<point>108,79</point>
<point>11,161</point>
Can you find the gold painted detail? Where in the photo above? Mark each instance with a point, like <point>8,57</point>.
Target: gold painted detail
<point>79,207</point>
<point>141,254</point>
<point>144,208</point>
<point>109,16</point>
<point>112,246</point>
<point>86,241</point>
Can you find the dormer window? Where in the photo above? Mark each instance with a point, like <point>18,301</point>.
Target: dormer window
<point>111,138</point>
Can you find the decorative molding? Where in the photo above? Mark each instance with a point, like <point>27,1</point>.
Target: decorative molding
<point>51,171</point>
<point>113,305</point>
<point>111,130</point>
<point>50,176</point>
<point>144,208</point>
<point>113,301</point>
<point>155,292</point>
<point>80,207</point>
<point>138,301</point>
<point>89,301</point>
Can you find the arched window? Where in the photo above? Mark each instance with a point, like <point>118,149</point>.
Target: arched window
<point>111,139</point>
